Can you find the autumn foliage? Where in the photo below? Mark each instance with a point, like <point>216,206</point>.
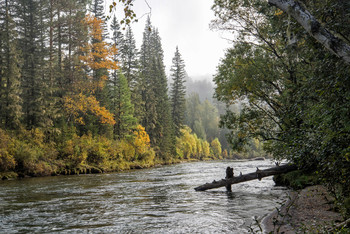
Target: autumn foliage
<point>142,141</point>
<point>96,54</point>
<point>80,105</point>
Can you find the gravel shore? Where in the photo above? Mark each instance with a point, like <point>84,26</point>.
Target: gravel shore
<point>310,209</point>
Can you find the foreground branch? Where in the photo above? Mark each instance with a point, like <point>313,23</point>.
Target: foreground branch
<point>259,174</point>
<point>314,28</point>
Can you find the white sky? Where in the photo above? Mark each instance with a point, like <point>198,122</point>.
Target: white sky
<point>183,23</point>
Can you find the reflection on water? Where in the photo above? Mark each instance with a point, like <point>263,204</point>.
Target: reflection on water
<point>142,201</point>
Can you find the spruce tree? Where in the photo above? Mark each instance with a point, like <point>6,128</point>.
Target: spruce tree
<point>117,39</point>
<point>193,110</point>
<point>129,58</point>
<point>47,82</point>
<point>32,43</point>
<point>71,34</point>
<point>164,129</point>
<point>120,95</point>
<point>10,101</point>
<point>147,112</point>
<point>121,107</point>
<point>97,9</point>
<point>130,69</point>
<point>157,115</point>
<point>178,92</point>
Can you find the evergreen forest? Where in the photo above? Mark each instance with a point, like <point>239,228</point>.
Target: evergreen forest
<point>78,96</point>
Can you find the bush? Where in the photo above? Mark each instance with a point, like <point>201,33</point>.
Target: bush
<point>7,161</point>
<point>296,179</point>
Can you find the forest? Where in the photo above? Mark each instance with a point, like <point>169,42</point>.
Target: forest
<point>78,96</point>
<point>289,67</point>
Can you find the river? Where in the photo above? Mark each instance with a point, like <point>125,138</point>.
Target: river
<point>152,200</point>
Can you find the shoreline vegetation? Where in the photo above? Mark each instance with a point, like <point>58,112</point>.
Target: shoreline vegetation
<point>33,153</point>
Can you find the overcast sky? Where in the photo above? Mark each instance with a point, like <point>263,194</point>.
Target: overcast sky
<point>183,23</point>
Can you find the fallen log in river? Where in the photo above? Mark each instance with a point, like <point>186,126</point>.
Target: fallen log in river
<point>259,174</point>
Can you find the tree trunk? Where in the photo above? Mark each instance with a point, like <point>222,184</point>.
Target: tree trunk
<point>259,174</point>
<point>314,28</point>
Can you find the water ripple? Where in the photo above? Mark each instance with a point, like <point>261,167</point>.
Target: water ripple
<point>141,201</point>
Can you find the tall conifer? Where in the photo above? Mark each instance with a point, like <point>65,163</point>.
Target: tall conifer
<point>121,107</point>
<point>117,39</point>
<point>129,58</point>
<point>130,69</point>
<point>148,113</point>
<point>31,28</point>
<point>157,116</point>
<point>10,101</point>
<point>178,91</point>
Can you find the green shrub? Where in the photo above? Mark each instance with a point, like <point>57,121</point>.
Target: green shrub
<point>296,179</point>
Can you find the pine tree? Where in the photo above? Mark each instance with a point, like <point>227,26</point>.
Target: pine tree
<point>147,113</point>
<point>165,129</point>
<point>157,116</point>
<point>117,39</point>
<point>10,101</point>
<point>97,9</point>
<point>121,107</point>
<point>33,35</point>
<point>120,95</point>
<point>129,54</point>
<point>130,69</point>
<point>178,91</point>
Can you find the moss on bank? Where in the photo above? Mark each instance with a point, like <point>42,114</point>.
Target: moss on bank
<point>296,180</point>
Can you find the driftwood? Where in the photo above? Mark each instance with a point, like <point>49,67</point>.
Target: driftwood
<point>229,175</point>
<point>259,174</point>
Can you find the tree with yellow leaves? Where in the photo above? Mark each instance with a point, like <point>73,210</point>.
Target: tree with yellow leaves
<point>84,104</point>
<point>97,55</point>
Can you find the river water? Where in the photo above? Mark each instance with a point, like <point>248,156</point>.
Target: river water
<point>152,200</point>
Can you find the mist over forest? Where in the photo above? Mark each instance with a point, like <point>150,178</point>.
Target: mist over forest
<point>203,85</point>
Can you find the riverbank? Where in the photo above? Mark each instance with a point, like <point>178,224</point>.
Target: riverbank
<point>62,169</point>
<point>308,210</point>
<point>36,153</point>
<point>90,169</point>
